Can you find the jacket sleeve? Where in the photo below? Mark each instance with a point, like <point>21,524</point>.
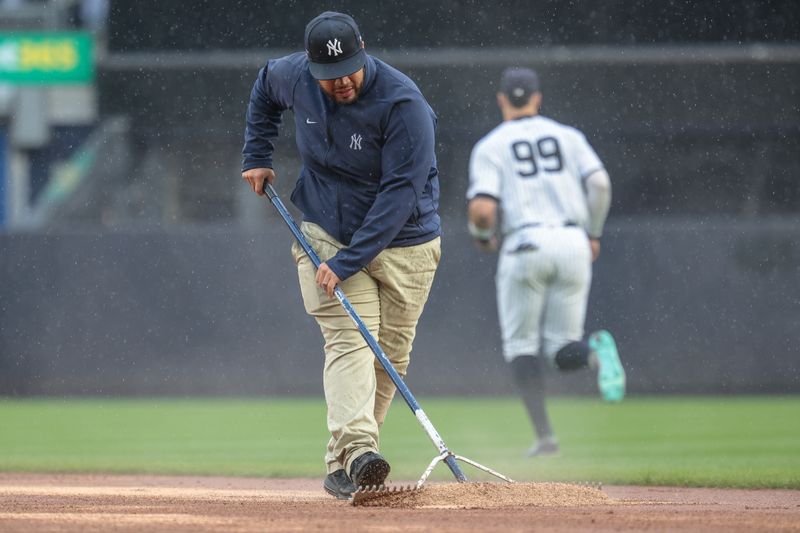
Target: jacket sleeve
<point>407,159</point>
<point>263,119</point>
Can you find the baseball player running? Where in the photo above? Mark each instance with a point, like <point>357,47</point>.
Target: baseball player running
<point>553,195</point>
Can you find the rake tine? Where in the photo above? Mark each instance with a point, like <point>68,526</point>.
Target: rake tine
<point>477,465</point>
<point>364,494</point>
<point>484,468</point>
<point>430,468</point>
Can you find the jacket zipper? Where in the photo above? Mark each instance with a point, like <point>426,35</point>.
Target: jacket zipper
<point>415,216</point>
<point>328,121</point>
<point>328,137</point>
<point>339,209</point>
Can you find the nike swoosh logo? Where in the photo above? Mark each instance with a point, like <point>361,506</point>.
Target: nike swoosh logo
<point>309,121</point>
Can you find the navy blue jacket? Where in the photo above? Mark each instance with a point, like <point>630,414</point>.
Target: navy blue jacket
<point>369,175</point>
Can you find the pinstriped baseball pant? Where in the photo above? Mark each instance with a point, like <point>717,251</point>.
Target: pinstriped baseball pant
<point>543,290</point>
<point>389,296</point>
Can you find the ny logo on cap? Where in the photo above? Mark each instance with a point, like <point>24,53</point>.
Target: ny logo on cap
<point>334,47</point>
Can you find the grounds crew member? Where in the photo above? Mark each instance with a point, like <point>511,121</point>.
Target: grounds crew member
<point>368,191</point>
<point>554,194</point>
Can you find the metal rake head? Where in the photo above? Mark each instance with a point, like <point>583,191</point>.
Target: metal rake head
<point>365,494</point>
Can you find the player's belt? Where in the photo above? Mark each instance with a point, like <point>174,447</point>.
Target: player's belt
<point>529,246</point>
<point>567,224</point>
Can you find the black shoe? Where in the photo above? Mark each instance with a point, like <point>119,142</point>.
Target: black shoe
<point>369,470</point>
<point>339,485</point>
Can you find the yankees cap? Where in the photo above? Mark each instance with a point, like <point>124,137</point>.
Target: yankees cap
<point>333,45</point>
<point>518,83</point>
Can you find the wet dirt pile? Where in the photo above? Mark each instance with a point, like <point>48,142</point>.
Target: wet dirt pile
<point>492,496</point>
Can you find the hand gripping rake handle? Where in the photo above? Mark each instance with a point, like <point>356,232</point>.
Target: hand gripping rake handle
<point>444,454</point>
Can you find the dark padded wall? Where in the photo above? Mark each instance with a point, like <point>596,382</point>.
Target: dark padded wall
<point>698,305</point>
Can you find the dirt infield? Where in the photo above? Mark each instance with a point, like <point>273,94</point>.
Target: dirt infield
<point>88,503</point>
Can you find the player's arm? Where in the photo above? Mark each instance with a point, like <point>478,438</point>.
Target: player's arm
<point>482,224</point>
<point>598,200</point>
<point>485,178</point>
<point>597,186</point>
<point>263,120</point>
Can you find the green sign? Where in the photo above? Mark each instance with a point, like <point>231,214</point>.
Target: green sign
<point>44,58</point>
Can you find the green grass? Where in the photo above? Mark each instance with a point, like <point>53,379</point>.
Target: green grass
<point>690,441</point>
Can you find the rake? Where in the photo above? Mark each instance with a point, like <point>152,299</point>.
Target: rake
<point>445,455</point>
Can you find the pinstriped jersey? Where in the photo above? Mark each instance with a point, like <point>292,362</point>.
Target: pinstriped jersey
<point>535,167</point>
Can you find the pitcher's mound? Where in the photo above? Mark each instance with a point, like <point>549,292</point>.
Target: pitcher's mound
<point>492,495</point>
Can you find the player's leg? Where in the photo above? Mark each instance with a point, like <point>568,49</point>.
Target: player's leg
<point>562,327</point>
<point>348,375</point>
<point>528,372</point>
<point>521,288</point>
<point>405,276</point>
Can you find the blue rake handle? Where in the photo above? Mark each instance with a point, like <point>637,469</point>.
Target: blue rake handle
<point>447,455</point>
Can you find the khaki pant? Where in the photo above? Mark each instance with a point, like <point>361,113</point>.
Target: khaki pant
<point>388,295</point>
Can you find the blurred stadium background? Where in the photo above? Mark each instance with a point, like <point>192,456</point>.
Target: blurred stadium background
<point>133,260</point>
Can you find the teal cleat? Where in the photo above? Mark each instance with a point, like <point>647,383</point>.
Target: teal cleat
<point>610,375</point>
